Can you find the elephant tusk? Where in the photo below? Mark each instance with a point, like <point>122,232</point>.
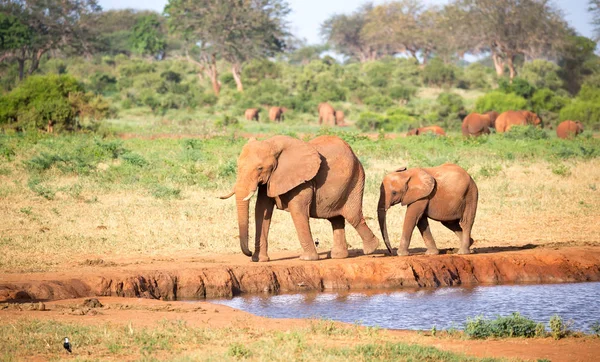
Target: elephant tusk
<point>249,196</point>
<point>224,197</point>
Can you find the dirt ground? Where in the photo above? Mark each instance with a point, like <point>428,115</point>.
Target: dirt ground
<point>146,313</point>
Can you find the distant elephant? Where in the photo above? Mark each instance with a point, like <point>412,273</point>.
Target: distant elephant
<point>569,129</point>
<point>476,124</point>
<point>322,179</point>
<point>340,118</point>
<point>445,193</point>
<point>493,116</point>
<point>422,130</point>
<point>326,114</point>
<point>276,114</point>
<point>252,114</point>
<point>516,118</point>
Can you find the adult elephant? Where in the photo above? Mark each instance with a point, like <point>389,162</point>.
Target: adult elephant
<point>445,193</point>
<point>340,118</point>
<point>322,179</point>
<point>569,129</point>
<point>506,120</point>
<point>326,114</point>
<point>276,114</point>
<point>252,114</point>
<point>476,124</point>
<point>430,129</point>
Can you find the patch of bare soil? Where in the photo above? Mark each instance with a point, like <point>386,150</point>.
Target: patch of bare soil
<point>146,313</point>
<point>229,275</point>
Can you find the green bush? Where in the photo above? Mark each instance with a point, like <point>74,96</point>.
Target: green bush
<point>558,328</point>
<point>519,86</point>
<point>449,103</point>
<point>378,102</point>
<point>395,119</point>
<point>500,102</point>
<point>525,132</point>
<point>400,92</point>
<point>588,112</point>
<point>475,76</point>
<point>56,98</point>
<point>546,100</point>
<point>514,325</point>
<point>438,74</point>
<point>542,74</point>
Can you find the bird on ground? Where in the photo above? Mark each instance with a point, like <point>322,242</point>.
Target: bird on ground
<point>67,344</point>
<point>317,242</point>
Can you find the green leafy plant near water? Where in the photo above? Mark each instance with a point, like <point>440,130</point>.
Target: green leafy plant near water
<point>516,325</point>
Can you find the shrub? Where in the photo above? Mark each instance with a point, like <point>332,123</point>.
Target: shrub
<point>525,132</point>
<point>595,328</point>
<point>399,92</point>
<point>542,74</point>
<point>514,325</point>
<point>558,328</point>
<point>166,192</point>
<point>56,98</point>
<point>499,102</point>
<point>378,102</point>
<point>396,119</point>
<point>476,76</point>
<point>438,74</point>
<point>449,103</point>
<point>369,121</point>
<point>519,86</point>
<point>588,112</point>
<point>546,100</point>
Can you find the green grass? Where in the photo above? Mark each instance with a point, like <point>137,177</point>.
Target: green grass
<point>174,340</point>
<point>516,325</point>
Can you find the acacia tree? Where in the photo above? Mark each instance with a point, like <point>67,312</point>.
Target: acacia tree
<point>345,35</point>
<point>147,36</point>
<point>234,30</point>
<point>31,28</point>
<point>509,28</point>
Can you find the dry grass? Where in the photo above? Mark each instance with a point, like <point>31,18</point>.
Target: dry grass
<point>520,203</point>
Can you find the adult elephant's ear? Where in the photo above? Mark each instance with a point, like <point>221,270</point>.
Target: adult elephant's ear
<point>297,162</point>
<point>418,186</point>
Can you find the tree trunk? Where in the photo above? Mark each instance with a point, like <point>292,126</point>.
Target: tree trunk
<point>498,64</point>
<point>237,76</point>
<point>511,67</point>
<point>21,68</point>
<point>213,73</point>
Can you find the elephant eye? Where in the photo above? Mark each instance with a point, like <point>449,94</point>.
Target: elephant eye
<point>394,193</point>
<point>260,168</point>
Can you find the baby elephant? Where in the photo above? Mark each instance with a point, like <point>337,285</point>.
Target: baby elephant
<point>445,193</point>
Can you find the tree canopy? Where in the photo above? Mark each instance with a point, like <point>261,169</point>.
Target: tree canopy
<point>234,30</point>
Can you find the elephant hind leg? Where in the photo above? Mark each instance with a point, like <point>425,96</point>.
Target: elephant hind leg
<point>299,208</point>
<point>340,247</point>
<point>370,241</point>
<point>463,235</point>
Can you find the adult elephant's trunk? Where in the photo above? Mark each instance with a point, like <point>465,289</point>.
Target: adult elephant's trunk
<point>382,208</point>
<point>242,200</point>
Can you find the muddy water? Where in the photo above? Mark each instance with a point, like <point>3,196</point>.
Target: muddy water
<point>443,307</point>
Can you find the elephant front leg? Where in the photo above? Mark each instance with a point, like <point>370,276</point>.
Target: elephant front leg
<point>414,212</point>
<point>262,215</point>
<point>423,226</point>
<point>340,247</point>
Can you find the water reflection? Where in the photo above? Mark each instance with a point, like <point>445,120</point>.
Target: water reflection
<point>442,307</point>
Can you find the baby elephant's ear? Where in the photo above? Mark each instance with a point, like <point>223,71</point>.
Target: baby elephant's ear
<point>419,186</point>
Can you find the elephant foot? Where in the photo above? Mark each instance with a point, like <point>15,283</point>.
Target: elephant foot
<point>432,252</point>
<point>462,251</point>
<point>309,256</point>
<point>260,258</point>
<point>371,246</point>
<point>403,252</point>
<point>339,254</point>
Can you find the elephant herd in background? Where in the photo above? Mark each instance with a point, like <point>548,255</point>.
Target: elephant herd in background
<point>476,124</point>
<point>324,179</point>
<point>473,125</point>
<point>327,115</point>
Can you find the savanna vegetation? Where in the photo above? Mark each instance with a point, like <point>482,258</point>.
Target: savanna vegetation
<point>146,113</point>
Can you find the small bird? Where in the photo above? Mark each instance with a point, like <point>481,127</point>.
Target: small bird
<point>67,345</point>
<point>317,242</point>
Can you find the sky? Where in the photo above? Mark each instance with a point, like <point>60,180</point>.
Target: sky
<point>307,15</point>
